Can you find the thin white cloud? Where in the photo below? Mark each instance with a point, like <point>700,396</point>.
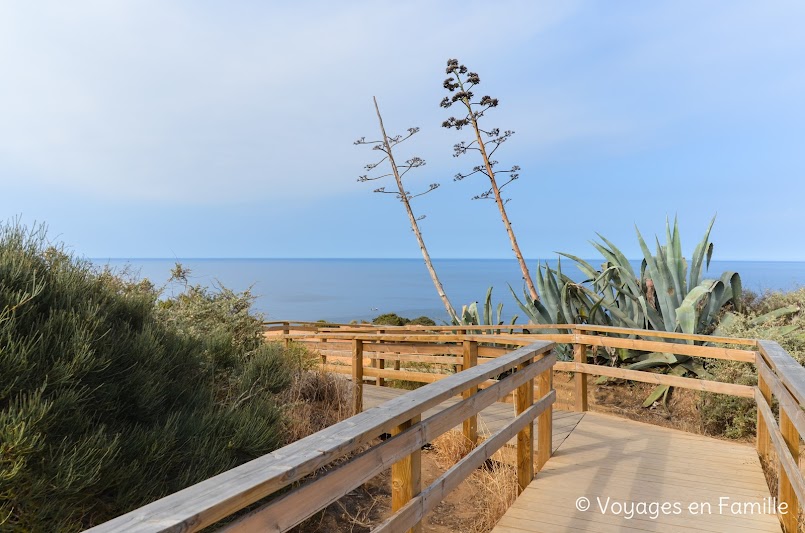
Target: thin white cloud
<point>166,101</point>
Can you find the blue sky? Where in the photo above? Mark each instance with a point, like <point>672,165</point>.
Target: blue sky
<point>225,129</point>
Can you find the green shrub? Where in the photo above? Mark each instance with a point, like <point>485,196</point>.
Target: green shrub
<point>110,399</point>
<point>736,417</point>
<point>422,321</point>
<point>393,319</point>
<point>390,319</point>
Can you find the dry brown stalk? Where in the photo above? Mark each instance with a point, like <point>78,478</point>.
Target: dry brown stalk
<point>475,110</point>
<point>405,197</point>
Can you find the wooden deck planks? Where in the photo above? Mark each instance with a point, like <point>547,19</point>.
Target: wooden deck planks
<point>490,419</point>
<point>626,461</point>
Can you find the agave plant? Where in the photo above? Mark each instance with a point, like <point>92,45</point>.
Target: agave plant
<point>470,316</point>
<point>563,301</point>
<point>665,296</point>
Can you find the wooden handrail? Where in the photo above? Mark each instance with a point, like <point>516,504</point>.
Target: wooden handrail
<point>211,500</point>
<point>416,346</point>
<point>782,378</point>
<point>358,328</point>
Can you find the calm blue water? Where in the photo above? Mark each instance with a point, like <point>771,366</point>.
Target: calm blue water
<point>360,289</point>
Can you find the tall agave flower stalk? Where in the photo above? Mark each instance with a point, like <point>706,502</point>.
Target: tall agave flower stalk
<point>460,84</point>
<point>386,145</point>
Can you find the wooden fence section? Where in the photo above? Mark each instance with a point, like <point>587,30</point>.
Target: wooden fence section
<point>781,379</point>
<point>368,353</point>
<point>352,445</point>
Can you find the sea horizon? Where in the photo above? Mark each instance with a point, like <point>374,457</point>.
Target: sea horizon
<point>347,289</point>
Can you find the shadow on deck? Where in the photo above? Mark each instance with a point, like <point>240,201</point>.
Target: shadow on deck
<point>616,464</point>
<point>612,474</point>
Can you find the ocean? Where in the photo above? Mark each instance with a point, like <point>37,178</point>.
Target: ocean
<point>341,290</point>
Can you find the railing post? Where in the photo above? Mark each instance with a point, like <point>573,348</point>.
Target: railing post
<point>545,420</point>
<point>397,362</point>
<point>580,378</point>
<point>406,476</point>
<point>785,490</point>
<point>470,426</point>
<point>763,438</point>
<point>286,330</point>
<point>357,376</point>
<point>380,364</point>
<point>524,398</point>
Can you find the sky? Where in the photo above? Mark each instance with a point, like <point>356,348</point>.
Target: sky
<point>144,128</point>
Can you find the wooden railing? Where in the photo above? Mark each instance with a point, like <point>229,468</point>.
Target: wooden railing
<point>364,352</point>
<point>351,449</point>
<point>781,379</point>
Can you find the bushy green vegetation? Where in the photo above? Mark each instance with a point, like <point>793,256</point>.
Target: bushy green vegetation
<point>777,316</point>
<point>110,398</point>
<point>393,319</point>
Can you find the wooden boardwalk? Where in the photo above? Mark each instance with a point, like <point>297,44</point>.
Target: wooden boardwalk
<point>490,420</point>
<point>630,462</point>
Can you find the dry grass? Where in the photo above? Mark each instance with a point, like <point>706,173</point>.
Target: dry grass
<point>315,400</point>
<point>449,448</point>
<point>494,485</point>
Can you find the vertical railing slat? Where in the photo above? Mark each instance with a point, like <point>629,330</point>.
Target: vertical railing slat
<point>786,492</point>
<point>524,398</point>
<point>357,376</point>
<point>579,378</point>
<point>406,476</point>
<point>470,426</point>
<point>545,420</point>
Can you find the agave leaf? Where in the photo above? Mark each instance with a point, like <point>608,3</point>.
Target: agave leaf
<point>470,314</point>
<point>620,258</point>
<point>726,321</point>
<point>662,283</point>
<point>567,307</point>
<point>658,391</point>
<point>595,314</point>
<point>624,354</point>
<point>687,313</point>
<point>540,280</point>
<point>733,281</point>
<point>718,296</point>
<point>535,312</point>
<point>773,315</point>
<point>499,322</point>
<point>653,360</point>
<point>627,321</point>
<point>585,267</point>
<point>651,314</point>
<point>787,330</point>
<point>488,307</point>
<point>677,370</point>
<point>698,256</point>
<point>552,295</point>
<point>673,257</point>
<point>697,368</point>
